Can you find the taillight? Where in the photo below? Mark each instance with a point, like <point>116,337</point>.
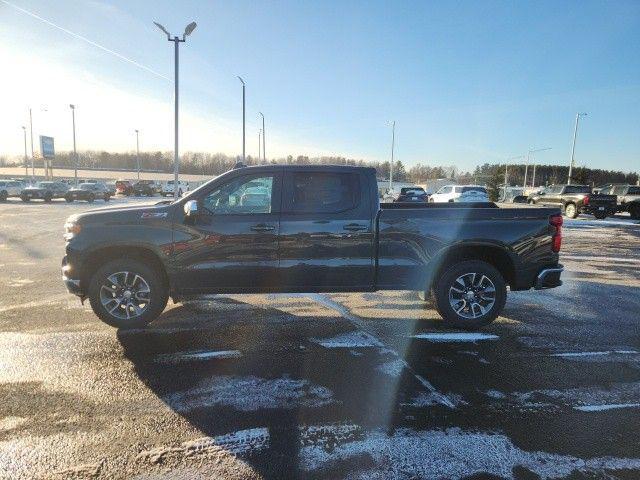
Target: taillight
<point>586,200</point>
<point>556,239</point>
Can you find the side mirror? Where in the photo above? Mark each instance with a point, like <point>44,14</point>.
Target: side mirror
<point>191,209</point>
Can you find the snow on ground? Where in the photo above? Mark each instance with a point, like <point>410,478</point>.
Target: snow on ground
<point>452,453</point>
<point>200,355</point>
<point>456,336</point>
<point>250,394</point>
<point>243,442</point>
<point>354,339</point>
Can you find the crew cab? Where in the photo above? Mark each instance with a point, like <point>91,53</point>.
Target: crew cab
<point>9,188</point>
<point>628,198</point>
<point>280,228</point>
<point>574,200</point>
<point>46,191</point>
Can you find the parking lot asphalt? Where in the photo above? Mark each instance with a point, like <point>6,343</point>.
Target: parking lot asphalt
<point>363,385</point>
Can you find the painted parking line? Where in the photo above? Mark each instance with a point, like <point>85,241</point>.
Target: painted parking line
<point>591,354</point>
<point>602,408</point>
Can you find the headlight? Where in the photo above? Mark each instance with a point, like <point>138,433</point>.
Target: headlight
<point>71,229</point>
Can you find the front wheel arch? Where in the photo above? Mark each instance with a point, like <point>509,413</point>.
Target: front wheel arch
<point>101,256</point>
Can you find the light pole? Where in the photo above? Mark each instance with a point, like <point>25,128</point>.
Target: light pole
<point>33,168</point>
<point>264,148</point>
<point>138,154</point>
<point>573,148</point>
<point>176,41</point>
<point>393,144</point>
<point>26,164</point>
<point>259,140</point>
<point>75,155</point>
<point>526,167</point>
<point>243,120</point>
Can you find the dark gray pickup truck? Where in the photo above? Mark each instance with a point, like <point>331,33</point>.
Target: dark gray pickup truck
<point>307,229</point>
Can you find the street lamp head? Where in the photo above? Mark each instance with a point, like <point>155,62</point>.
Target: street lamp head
<point>240,78</point>
<point>24,128</point>
<point>261,114</point>
<point>72,106</point>
<point>136,130</point>
<point>162,28</point>
<point>189,29</point>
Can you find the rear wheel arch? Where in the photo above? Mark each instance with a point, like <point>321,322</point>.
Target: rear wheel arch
<point>494,255</point>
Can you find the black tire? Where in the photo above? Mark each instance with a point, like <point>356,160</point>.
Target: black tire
<point>68,199</point>
<point>179,193</point>
<point>157,297</point>
<point>634,210</point>
<point>600,215</point>
<point>531,202</point>
<point>48,197</point>
<point>4,195</point>
<point>91,198</point>
<point>107,197</point>
<point>24,198</point>
<point>570,210</point>
<point>448,281</point>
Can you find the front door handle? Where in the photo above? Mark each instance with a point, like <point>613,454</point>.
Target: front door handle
<point>262,227</point>
<point>355,227</point>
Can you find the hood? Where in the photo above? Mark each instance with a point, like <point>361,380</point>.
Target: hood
<point>127,214</point>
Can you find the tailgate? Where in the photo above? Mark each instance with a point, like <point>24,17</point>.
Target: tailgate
<point>599,200</point>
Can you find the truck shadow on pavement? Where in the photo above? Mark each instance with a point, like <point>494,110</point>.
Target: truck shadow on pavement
<point>286,365</point>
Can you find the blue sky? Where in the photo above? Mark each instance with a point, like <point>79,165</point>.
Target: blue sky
<point>466,82</point>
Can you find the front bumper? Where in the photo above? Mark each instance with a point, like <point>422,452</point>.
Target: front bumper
<point>72,284</point>
<point>549,278</point>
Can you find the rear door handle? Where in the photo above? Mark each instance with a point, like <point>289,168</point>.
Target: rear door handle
<point>354,227</point>
<point>262,227</point>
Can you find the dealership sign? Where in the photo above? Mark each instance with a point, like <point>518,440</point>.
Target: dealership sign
<point>46,147</point>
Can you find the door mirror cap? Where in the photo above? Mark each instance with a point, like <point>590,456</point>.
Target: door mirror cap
<point>191,208</point>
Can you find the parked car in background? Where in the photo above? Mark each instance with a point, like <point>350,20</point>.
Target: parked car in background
<point>449,193</point>
<point>46,191</point>
<point>512,195</point>
<point>472,196</point>
<point>88,192</point>
<point>168,188</point>
<point>412,194</point>
<point>146,187</point>
<point>307,229</point>
<point>628,198</point>
<point>111,187</point>
<point>124,187</point>
<point>9,188</point>
<point>575,199</point>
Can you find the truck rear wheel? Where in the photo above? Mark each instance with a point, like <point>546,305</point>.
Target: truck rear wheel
<point>127,293</point>
<point>634,210</point>
<point>470,294</point>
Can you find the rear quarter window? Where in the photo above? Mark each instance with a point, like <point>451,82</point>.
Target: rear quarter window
<point>323,192</point>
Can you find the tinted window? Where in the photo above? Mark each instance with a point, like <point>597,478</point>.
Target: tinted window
<point>324,192</point>
<point>474,189</point>
<point>634,191</point>
<point>416,190</point>
<point>577,189</point>
<point>445,190</point>
<point>240,196</point>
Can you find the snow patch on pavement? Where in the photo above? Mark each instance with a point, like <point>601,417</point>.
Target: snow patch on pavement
<point>249,394</point>
<point>243,442</point>
<point>456,336</point>
<point>203,355</point>
<point>354,339</point>
<point>601,408</point>
<point>452,453</point>
<point>590,354</point>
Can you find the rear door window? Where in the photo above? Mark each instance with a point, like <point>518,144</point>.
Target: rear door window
<point>322,192</point>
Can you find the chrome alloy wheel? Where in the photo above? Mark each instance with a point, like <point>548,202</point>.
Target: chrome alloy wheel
<point>125,295</point>
<point>472,295</point>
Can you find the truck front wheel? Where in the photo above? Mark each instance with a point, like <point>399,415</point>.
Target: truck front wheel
<point>570,210</point>
<point>127,293</point>
<point>470,294</point>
